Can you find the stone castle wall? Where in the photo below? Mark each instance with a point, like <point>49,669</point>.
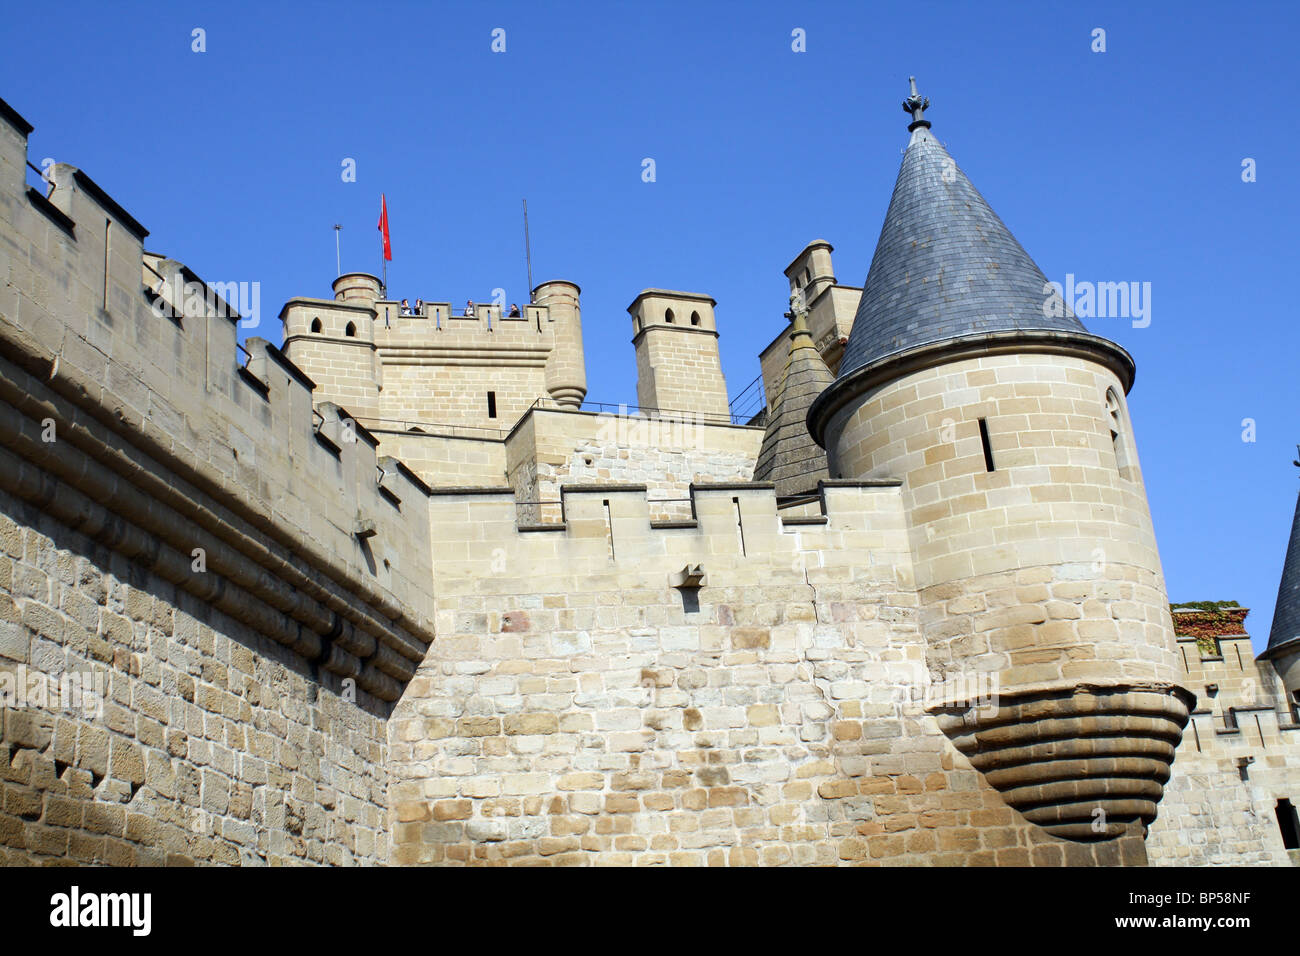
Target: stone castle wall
<point>579,707</point>
<point>240,573</point>
<point>1216,812</point>
<point>553,448</point>
<point>192,738</point>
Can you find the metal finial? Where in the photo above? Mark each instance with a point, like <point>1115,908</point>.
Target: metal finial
<point>916,104</point>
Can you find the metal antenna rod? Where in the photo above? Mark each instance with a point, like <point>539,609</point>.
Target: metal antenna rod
<point>338,263</point>
<point>528,253</point>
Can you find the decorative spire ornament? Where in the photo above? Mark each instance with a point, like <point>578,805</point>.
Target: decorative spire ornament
<point>916,104</point>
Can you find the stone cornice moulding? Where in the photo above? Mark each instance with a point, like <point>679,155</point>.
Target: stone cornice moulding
<point>353,629</point>
<point>1083,345</point>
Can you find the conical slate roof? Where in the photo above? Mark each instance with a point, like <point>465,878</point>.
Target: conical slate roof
<point>1286,616</point>
<point>788,456</point>
<point>945,266</point>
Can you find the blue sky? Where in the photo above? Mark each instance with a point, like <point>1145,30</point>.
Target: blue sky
<point>1115,166</point>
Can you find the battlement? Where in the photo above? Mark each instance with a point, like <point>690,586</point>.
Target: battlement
<point>441,317</point>
<point>437,366</point>
<point>126,415</point>
<point>611,524</point>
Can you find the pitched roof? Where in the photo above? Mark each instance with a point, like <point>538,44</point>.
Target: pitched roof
<point>945,266</point>
<point>788,456</point>
<point>1286,616</point>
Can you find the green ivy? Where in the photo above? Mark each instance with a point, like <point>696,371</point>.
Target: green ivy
<point>1214,615</point>
<point>1208,647</point>
<point>1203,606</point>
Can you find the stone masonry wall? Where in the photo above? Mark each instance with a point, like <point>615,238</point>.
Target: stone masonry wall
<point>1044,568</point>
<point>456,394</point>
<point>213,744</point>
<point>1212,815</point>
<point>578,708</point>
<point>678,370</point>
<point>555,448</point>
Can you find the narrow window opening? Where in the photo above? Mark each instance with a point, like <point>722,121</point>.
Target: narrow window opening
<point>609,528</point>
<point>1115,421</point>
<point>695,318</point>
<point>492,404</point>
<point>315,325</point>
<point>740,524</point>
<point>108,248</point>
<point>1295,706</point>
<point>1286,822</point>
<point>988,449</point>
<point>350,331</point>
<point>668,316</point>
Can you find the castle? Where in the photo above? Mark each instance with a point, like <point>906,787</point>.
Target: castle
<point>393,592</point>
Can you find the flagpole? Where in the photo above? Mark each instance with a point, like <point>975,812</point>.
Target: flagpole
<point>338,262</point>
<point>528,253</point>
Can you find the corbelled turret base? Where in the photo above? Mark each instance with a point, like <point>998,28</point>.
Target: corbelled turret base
<point>1083,762</point>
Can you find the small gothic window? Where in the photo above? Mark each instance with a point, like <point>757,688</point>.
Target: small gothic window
<point>1115,422</point>
<point>492,404</point>
<point>807,276</point>
<point>695,318</point>
<point>668,316</point>
<point>315,325</point>
<point>350,331</point>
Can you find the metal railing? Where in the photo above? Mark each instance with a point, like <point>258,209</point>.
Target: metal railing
<point>432,429</point>
<point>750,403</point>
<point>418,426</point>
<point>642,411</point>
<point>46,184</point>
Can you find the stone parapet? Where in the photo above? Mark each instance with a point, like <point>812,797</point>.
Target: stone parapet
<point>127,415</point>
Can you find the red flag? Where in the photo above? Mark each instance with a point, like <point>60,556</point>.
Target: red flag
<point>383,227</point>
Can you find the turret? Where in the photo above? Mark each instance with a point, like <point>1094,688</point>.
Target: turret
<point>358,287</point>
<point>678,366</point>
<point>333,341</point>
<point>1034,552</point>
<point>566,370</point>
<point>789,458</point>
<point>811,272</point>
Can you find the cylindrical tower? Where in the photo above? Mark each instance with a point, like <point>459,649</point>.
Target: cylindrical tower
<point>1042,601</point>
<point>566,370</point>
<point>359,287</point>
